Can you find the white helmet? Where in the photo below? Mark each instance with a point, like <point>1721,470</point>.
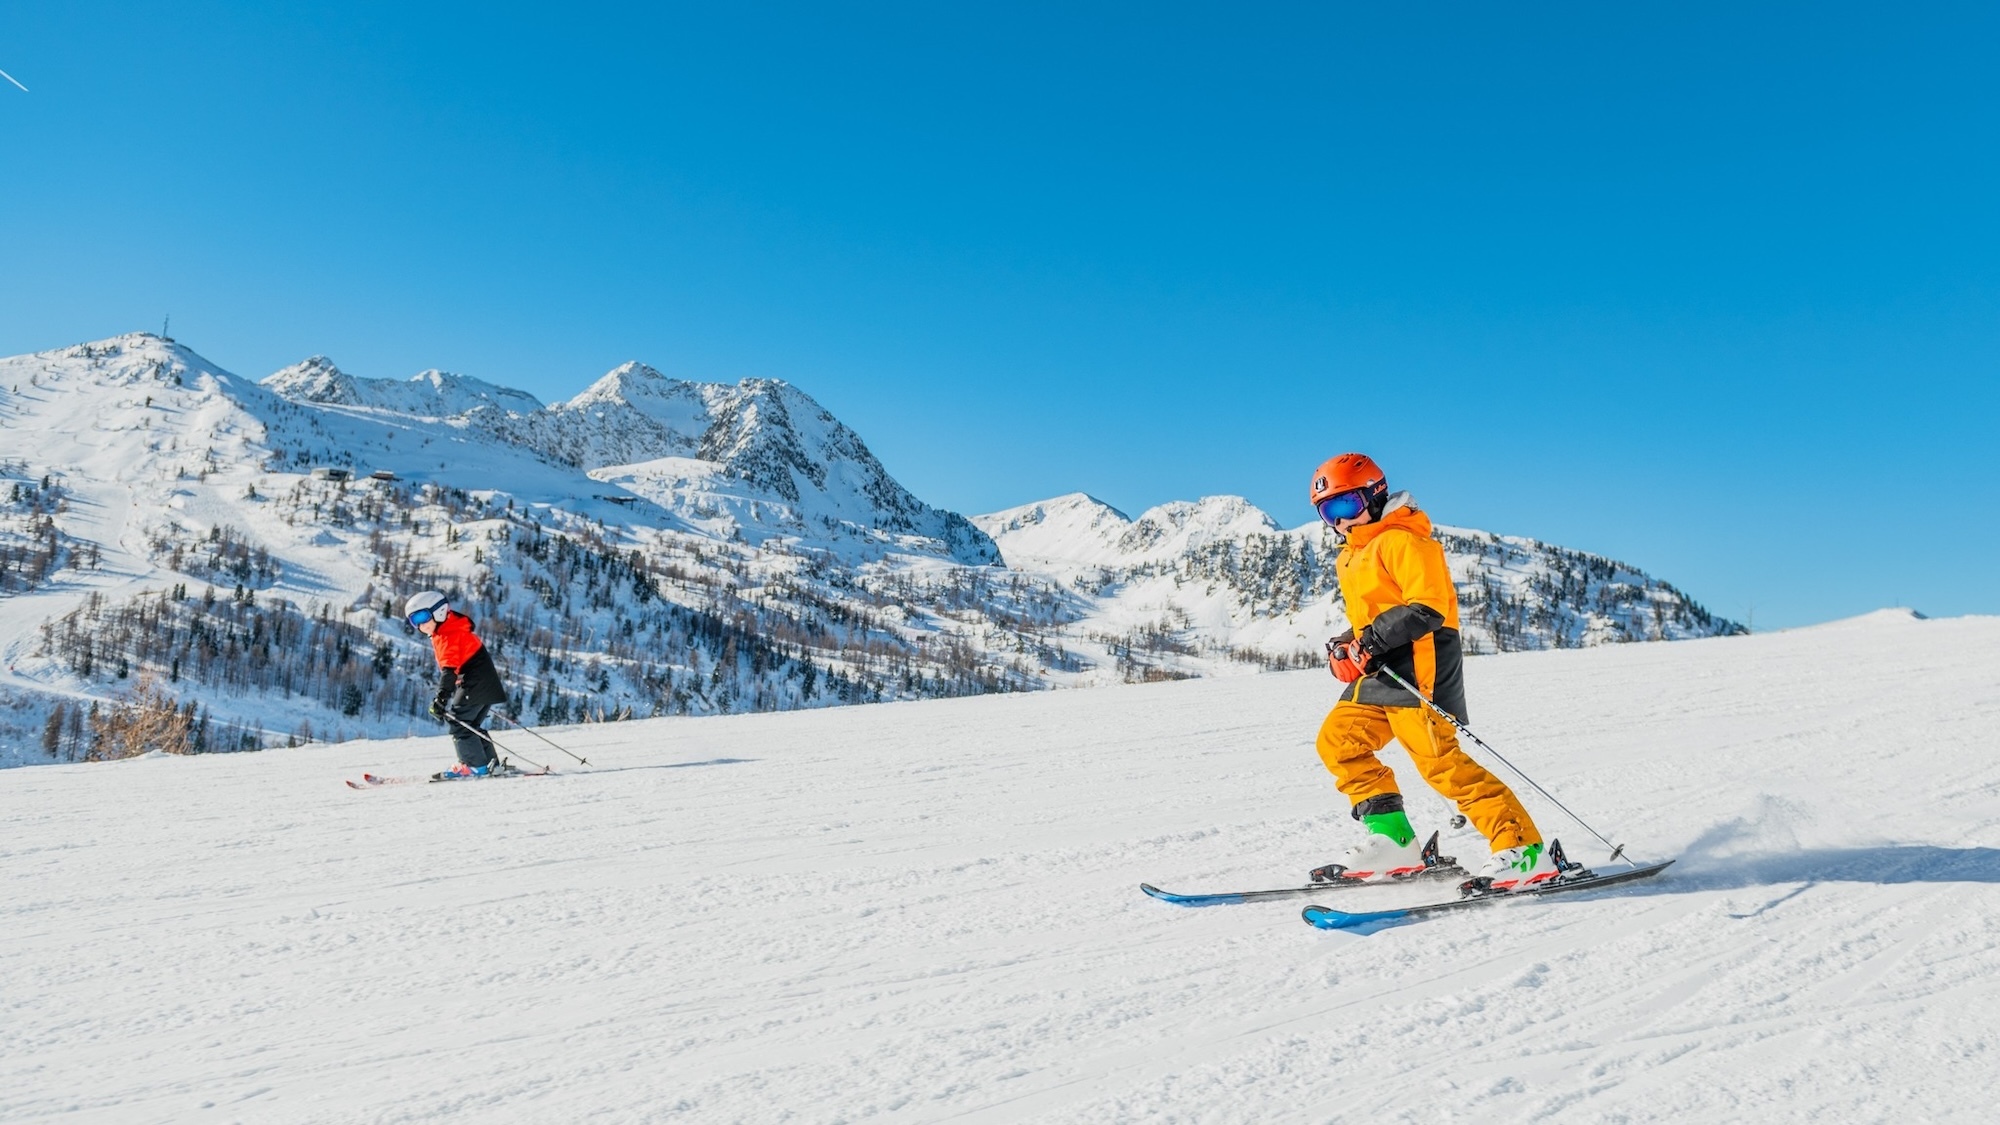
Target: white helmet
<point>424,607</point>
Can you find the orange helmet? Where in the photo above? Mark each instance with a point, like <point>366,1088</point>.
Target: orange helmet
<point>1348,485</point>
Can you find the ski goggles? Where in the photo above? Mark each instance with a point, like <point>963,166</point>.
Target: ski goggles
<point>423,615</point>
<point>1342,506</point>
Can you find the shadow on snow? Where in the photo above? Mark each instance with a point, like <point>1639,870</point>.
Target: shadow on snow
<point>1807,868</point>
<point>1890,864</point>
<point>674,765</point>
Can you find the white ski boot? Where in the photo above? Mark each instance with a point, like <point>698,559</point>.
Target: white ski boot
<point>1514,869</point>
<point>1376,858</point>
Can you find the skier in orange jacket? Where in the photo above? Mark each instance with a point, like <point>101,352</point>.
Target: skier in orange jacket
<point>1403,610</point>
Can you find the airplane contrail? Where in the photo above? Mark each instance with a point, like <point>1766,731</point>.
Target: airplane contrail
<point>14,80</point>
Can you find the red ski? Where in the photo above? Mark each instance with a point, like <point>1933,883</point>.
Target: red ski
<point>371,781</point>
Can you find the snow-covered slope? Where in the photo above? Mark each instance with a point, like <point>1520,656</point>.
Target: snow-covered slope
<point>928,912</point>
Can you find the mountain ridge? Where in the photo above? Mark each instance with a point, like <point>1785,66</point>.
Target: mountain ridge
<point>764,432</point>
<point>753,554</point>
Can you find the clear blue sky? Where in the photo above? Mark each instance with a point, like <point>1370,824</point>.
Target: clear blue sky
<point>1711,288</point>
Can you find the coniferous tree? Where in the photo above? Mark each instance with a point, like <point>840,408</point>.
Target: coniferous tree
<point>52,731</point>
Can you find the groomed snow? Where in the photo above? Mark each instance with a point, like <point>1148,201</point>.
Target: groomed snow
<point>929,912</point>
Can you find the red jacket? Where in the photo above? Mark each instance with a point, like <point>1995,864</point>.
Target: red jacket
<point>454,642</point>
<point>466,677</point>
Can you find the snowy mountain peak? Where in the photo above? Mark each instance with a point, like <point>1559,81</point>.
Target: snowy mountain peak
<point>114,385</point>
<point>134,355</point>
<point>760,449</point>
<point>630,384</point>
<point>1180,525</point>
<point>315,379</point>
<point>428,394</point>
<point>1079,529</point>
<point>639,414</point>
<point>1057,510</point>
<point>774,434</point>
<point>1076,527</point>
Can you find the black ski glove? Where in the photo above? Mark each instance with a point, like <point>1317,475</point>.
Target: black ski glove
<point>438,711</point>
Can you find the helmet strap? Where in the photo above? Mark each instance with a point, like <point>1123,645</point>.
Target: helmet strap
<point>1378,499</point>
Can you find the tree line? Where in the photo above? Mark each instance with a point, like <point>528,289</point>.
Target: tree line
<point>32,546</point>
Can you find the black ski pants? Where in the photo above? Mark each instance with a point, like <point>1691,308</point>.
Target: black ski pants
<point>468,735</point>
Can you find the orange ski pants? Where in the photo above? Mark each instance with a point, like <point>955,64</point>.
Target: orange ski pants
<point>1353,732</point>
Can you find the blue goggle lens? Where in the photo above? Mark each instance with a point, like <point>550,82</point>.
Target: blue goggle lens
<point>419,617</point>
<point>1345,506</point>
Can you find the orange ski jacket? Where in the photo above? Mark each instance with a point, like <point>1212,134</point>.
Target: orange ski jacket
<point>1401,602</point>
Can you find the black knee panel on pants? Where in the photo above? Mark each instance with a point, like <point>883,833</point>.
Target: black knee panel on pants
<point>1379,804</point>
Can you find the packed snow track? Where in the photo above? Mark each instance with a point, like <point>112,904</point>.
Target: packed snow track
<point>929,912</point>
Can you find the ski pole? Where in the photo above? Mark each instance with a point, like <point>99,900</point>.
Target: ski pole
<point>488,736</point>
<point>1617,850</point>
<point>516,725</point>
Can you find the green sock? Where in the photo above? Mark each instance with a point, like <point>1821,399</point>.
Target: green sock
<point>1394,825</point>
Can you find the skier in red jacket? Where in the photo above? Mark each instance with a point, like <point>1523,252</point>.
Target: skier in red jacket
<point>468,683</point>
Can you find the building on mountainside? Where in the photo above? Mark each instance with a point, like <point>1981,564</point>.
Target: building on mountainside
<point>331,472</point>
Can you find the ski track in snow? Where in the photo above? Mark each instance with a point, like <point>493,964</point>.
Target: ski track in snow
<point>928,912</point>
